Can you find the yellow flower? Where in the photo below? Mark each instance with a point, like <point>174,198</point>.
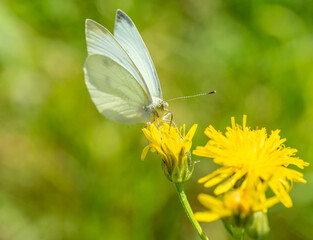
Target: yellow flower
<point>240,211</point>
<point>238,203</point>
<point>174,146</point>
<point>251,160</point>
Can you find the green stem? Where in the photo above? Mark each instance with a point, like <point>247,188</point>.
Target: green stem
<point>188,210</point>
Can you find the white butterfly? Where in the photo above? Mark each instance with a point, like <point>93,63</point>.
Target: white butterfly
<point>120,75</point>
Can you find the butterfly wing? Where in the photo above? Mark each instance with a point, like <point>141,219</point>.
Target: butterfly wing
<point>128,36</point>
<point>101,41</point>
<point>115,92</point>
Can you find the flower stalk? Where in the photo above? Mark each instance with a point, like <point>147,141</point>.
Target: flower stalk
<point>188,210</point>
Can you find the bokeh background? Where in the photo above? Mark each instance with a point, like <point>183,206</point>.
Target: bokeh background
<point>68,173</point>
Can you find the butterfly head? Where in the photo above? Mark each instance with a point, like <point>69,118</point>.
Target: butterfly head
<point>160,106</point>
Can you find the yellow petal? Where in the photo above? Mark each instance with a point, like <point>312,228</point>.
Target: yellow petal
<point>209,201</point>
<point>191,132</point>
<point>226,186</point>
<point>219,171</point>
<point>144,152</point>
<point>207,216</point>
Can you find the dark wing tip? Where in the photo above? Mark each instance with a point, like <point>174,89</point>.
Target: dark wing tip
<point>119,11</point>
<point>120,16</point>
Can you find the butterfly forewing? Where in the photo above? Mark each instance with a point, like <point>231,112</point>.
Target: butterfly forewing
<point>128,36</point>
<point>115,92</point>
<point>101,41</point>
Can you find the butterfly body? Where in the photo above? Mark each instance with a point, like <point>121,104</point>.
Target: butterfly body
<point>120,75</point>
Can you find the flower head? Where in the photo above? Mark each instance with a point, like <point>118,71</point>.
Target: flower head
<point>174,146</point>
<point>239,209</point>
<point>238,203</point>
<point>251,159</point>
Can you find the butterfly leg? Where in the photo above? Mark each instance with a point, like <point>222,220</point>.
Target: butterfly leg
<point>169,120</point>
<point>172,116</point>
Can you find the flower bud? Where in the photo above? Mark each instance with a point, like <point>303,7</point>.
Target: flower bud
<point>174,146</point>
<point>178,170</point>
<point>258,226</point>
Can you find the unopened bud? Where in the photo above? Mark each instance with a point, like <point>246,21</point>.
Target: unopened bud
<point>178,170</point>
<point>258,227</point>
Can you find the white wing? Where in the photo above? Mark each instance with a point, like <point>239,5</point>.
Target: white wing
<point>101,41</point>
<point>115,92</point>
<point>128,36</point>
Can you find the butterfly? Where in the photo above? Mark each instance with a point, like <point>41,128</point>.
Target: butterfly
<point>120,75</point>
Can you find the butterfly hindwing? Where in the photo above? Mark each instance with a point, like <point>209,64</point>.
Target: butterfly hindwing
<point>115,92</point>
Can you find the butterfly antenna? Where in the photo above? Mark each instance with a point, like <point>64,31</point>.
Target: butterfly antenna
<point>197,95</point>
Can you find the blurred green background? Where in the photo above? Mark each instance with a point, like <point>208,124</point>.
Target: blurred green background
<point>68,173</point>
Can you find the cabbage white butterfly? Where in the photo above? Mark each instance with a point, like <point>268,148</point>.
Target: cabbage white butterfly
<point>120,75</point>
